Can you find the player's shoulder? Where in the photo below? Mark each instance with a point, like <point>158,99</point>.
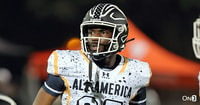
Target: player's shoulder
<point>141,69</point>
<point>140,66</point>
<point>137,62</point>
<point>66,52</point>
<point>62,60</point>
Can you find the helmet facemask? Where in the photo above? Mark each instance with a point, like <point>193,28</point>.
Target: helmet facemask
<point>196,38</point>
<point>105,47</point>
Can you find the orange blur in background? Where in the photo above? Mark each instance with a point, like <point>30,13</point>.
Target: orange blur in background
<point>170,71</point>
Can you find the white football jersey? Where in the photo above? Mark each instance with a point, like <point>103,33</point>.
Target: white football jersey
<point>108,87</point>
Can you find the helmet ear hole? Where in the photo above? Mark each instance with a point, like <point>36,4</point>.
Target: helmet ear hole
<point>121,34</point>
<point>121,46</point>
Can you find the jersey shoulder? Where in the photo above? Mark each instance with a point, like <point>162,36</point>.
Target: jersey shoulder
<point>141,69</point>
<point>61,60</point>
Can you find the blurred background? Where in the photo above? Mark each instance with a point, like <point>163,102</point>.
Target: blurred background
<point>31,26</point>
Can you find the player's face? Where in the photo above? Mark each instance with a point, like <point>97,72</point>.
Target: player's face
<point>98,42</point>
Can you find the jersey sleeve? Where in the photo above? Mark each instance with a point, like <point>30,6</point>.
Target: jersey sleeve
<point>61,62</point>
<point>144,73</point>
<point>140,98</point>
<point>54,85</point>
<point>52,63</point>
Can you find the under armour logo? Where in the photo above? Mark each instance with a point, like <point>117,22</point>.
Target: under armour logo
<point>105,75</point>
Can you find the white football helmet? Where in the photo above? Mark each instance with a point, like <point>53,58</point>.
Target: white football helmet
<point>196,38</point>
<point>105,15</point>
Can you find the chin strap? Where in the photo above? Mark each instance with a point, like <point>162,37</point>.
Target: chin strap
<point>90,70</point>
<point>89,82</point>
<point>129,40</point>
<point>122,47</point>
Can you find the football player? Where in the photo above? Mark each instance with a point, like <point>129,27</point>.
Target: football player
<point>196,38</point>
<point>196,42</point>
<point>96,74</point>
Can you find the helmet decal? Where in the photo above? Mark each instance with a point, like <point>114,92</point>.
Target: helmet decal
<point>115,18</point>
